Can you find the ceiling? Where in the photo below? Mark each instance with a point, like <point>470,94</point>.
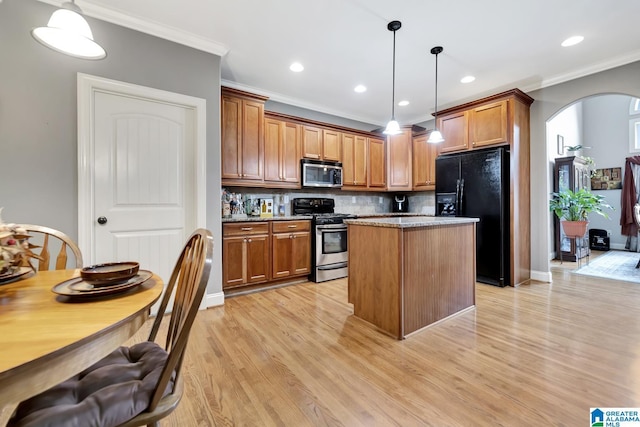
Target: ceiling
<point>342,43</point>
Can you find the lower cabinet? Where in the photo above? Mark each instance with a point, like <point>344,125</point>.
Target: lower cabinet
<point>245,254</point>
<point>259,253</point>
<point>290,248</point>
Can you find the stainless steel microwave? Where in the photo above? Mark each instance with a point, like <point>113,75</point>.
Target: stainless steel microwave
<point>316,173</point>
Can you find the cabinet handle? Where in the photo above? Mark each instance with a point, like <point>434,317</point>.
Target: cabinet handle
<point>291,236</point>
<point>292,226</point>
<point>246,228</point>
<point>249,240</point>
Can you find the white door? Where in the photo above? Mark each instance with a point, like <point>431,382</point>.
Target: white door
<point>145,160</point>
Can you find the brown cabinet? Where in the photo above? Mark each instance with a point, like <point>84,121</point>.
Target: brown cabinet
<point>291,249</point>
<point>477,127</point>
<point>242,120</point>
<point>455,131</point>
<point>311,142</point>
<point>245,254</point>
<point>424,163</point>
<point>488,124</point>
<point>376,165</point>
<point>570,173</point>
<point>282,142</point>
<point>331,145</point>
<point>399,159</point>
<point>354,160</point>
<point>260,253</point>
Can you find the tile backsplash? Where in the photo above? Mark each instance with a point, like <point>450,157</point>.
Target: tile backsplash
<point>351,202</point>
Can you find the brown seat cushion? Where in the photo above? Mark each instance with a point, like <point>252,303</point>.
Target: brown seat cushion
<point>112,391</point>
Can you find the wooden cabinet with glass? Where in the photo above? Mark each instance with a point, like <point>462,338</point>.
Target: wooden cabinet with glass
<point>570,173</point>
<point>242,121</point>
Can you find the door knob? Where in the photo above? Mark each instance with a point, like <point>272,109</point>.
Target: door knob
<point>102,220</point>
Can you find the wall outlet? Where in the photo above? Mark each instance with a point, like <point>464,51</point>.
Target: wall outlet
<point>286,199</point>
<point>380,199</point>
<point>353,199</point>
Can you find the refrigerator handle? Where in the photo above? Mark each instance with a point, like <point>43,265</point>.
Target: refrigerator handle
<point>457,212</point>
<point>461,194</point>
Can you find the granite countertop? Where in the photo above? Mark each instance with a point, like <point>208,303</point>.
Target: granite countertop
<point>390,214</point>
<point>411,221</point>
<point>275,218</point>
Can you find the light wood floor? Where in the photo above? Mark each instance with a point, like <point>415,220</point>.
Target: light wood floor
<point>540,354</point>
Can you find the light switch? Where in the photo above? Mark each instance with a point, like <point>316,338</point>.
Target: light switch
<point>380,199</point>
<point>353,199</point>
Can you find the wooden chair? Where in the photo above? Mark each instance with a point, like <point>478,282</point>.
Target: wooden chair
<point>50,240</point>
<point>137,385</point>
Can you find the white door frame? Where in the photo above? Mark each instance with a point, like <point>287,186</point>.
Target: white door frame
<point>88,85</point>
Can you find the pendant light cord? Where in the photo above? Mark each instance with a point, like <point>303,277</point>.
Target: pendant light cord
<point>393,80</point>
<point>435,115</point>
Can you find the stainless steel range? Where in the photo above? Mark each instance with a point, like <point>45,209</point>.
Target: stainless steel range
<point>329,254</point>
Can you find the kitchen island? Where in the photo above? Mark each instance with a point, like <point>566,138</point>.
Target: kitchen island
<point>406,273</point>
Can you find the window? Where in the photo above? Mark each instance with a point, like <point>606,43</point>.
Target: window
<point>634,125</point>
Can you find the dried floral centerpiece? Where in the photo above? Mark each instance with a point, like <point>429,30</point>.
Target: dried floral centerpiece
<point>14,247</point>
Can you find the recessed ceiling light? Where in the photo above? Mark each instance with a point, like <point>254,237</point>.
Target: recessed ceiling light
<point>572,41</point>
<point>360,88</point>
<point>403,103</point>
<point>467,79</point>
<point>296,67</point>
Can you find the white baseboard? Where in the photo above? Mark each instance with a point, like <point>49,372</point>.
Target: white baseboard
<point>541,276</point>
<point>618,246</point>
<point>214,300</point>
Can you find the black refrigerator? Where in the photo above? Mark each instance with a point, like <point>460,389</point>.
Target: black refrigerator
<point>476,184</point>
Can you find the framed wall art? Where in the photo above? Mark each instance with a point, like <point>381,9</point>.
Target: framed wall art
<point>607,179</point>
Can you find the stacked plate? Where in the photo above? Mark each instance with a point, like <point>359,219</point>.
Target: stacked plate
<point>103,279</point>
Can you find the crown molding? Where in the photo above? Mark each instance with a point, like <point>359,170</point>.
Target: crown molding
<point>156,29</point>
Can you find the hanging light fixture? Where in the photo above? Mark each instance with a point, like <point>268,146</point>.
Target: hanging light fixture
<point>393,128</point>
<point>435,136</point>
<point>69,33</point>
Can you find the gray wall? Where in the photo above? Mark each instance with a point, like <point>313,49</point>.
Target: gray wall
<point>548,102</point>
<point>38,108</point>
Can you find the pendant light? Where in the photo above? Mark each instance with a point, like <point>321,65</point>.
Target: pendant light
<point>393,128</point>
<point>435,136</point>
<point>69,33</point>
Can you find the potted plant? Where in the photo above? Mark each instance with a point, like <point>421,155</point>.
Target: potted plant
<point>573,209</point>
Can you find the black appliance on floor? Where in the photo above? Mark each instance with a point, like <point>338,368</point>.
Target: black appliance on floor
<point>476,184</point>
<point>400,203</point>
<point>329,255</point>
<point>599,239</point>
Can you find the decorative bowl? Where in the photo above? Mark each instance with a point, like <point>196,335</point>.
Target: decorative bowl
<point>112,272</point>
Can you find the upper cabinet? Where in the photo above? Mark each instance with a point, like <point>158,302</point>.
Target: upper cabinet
<point>242,132</point>
<point>399,159</point>
<point>455,131</point>
<point>331,145</point>
<point>376,164</point>
<point>488,124</point>
<point>482,123</point>
<point>424,163</point>
<point>282,142</point>
<point>312,142</point>
<point>321,144</point>
<point>354,160</point>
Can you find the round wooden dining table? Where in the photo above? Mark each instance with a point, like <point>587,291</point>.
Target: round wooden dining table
<point>46,338</point>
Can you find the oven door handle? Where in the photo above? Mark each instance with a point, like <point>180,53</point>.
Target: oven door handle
<point>332,266</point>
<point>332,227</point>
